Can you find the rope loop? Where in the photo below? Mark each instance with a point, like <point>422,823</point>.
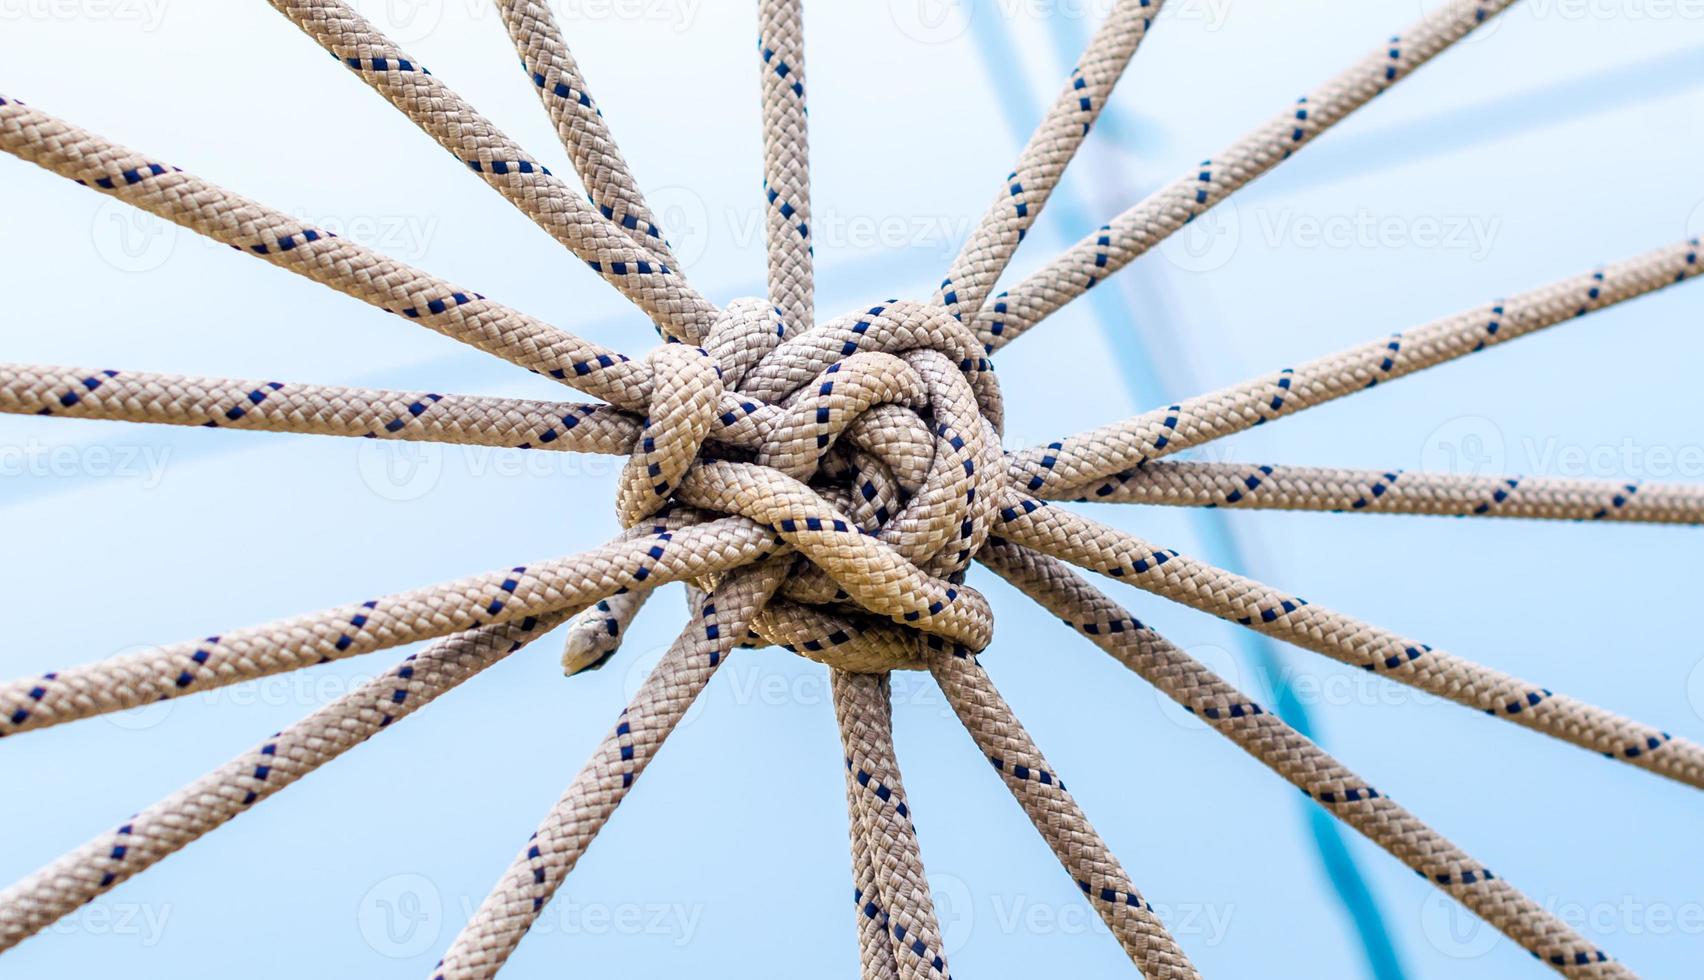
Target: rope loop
<point>865,442</point>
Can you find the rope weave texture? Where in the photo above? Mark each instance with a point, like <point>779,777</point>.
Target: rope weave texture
<point>823,485</point>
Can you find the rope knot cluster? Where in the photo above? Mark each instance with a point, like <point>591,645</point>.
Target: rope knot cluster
<point>868,443</point>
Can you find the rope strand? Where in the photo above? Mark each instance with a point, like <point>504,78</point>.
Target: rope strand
<point>1243,486</point>
<point>227,792</point>
<point>1241,600</point>
<point>1116,244</point>
<point>1297,759</point>
<point>1099,453</point>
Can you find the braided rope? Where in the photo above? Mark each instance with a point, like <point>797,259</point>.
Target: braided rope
<point>581,126</point>
<point>496,928</point>
<point>786,159</point>
<point>135,679</point>
<point>1117,243</point>
<point>1045,156</point>
<point>1241,600</point>
<point>632,267</point>
<point>890,885</point>
<point>275,406</point>
<point>1191,484</point>
<point>1095,455</point>
<point>274,236</point>
<point>1055,814</point>
<point>861,457</point>
<point>215,799</point>
<point>1297,759</point>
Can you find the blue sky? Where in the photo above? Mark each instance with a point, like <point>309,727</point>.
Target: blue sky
<point>1567,136</point>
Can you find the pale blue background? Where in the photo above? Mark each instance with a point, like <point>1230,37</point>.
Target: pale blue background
<point>1571,134</point>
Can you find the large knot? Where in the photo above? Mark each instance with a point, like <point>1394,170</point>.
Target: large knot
<point>869,443</point>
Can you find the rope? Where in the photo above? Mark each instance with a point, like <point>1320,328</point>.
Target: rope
<point>275,406</point>
<point>1045,157</point>
<point>1297,759</point>
<point>859,463</point>
<point>183,199</point>
<point>210,802</point>
<point>1398,492</point>
<point>1119,242</point>
<point>887,863</point>
<point>496,928</point>
<point>580,125</point>
<point>1122,446</point>
<point>786,160</point>
<point>1056,816</point>
<point>516,595</point>
<point>1246,602</point>
<point>634,268</point>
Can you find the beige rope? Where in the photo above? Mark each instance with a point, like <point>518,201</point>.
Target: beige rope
<point>786,160</point>
<point>485,943</point>
<point>656,287</point>
<point>135,679</point>
<point>173,823</point>
<point>581,126</point>
<point>1100,453</point>
<point>861,456</point>
<point>1045,157</point>
<point>1190,484</point>
<point>332,261</point>
<point>1241,600</point>
<point>273,406</point>
<point>1298,760</point>
<point>1056,816</point>
<point>1109,249</point>
<point>895,889</point>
